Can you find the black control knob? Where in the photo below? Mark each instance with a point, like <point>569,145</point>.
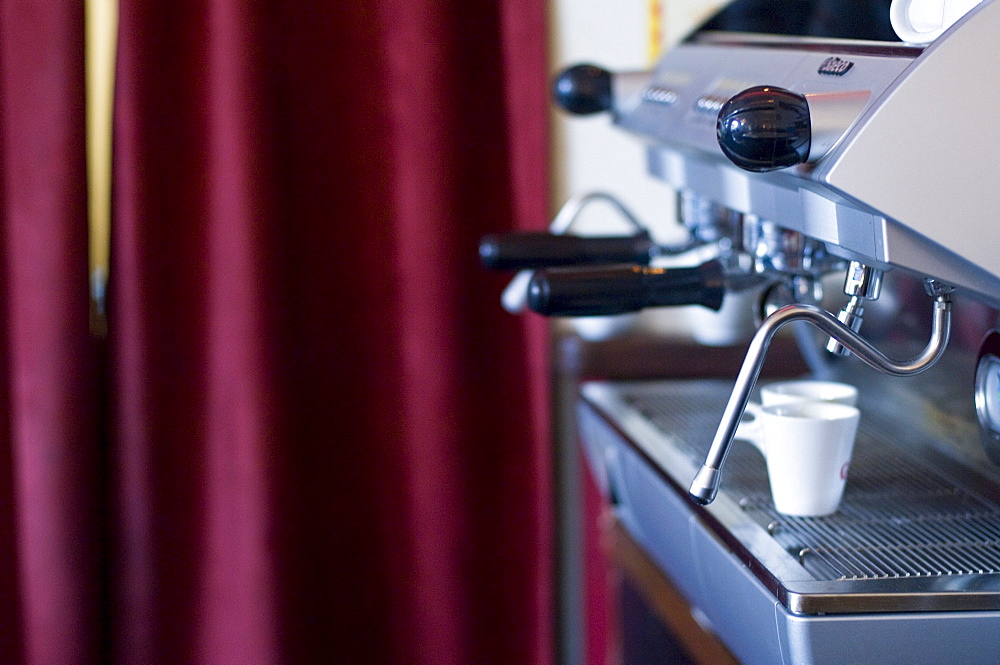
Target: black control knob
<point>765,128</point>
<point>583,89</point>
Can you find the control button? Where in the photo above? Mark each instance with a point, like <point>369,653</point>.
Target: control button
<point>709,104</point>
<point>659,95</point>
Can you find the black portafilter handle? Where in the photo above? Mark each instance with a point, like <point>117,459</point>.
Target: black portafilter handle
<point>531,250</point>
<point>583,89</point>
<point>621,289</point>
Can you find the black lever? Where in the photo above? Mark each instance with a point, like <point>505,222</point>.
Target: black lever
<point>528,251</point>
<point>583,89</point>
<point>621,289</point>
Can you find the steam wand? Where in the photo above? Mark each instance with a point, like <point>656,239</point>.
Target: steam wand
<point>705,485</point>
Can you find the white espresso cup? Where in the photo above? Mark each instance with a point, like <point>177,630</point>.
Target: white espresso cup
<point>808,390</point>
<point>808,447</point>
<point>923,21</point>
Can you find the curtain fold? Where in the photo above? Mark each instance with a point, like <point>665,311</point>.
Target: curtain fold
<point>51,519</point>
<point>312,435</point>
<point>324,438</point>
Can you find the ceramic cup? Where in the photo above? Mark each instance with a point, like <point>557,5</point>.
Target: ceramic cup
<point>808,447</point>
<point>807,390</point>
<point>922,21</point>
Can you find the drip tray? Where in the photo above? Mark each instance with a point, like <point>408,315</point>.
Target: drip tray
<point>918,527</point>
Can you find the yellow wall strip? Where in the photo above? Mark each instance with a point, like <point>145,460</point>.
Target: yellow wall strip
<point>655,30</point>
<point>101,46</point>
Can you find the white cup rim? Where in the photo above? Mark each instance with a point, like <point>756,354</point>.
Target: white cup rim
<point>812,410</point>
<point>815,389</point>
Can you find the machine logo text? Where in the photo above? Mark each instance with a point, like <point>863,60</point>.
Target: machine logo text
<point>834,66</point>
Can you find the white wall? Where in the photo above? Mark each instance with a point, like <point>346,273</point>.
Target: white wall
<point>590,154</point>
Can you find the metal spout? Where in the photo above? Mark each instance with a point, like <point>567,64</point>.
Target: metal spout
<point>863,283</point>
<point>705,485</point>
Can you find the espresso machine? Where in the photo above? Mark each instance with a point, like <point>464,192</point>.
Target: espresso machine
<point>806,153</point>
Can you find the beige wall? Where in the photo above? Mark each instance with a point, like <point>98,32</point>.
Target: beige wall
<point>101,40</point>
<point>589,153</point>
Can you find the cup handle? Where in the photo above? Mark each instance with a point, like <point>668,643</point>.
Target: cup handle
<point>956,9</point>
<point>911,31</point>
<point>899,17</point>
<point>751,430</point>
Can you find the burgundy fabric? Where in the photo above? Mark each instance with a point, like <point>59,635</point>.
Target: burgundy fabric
<point>328,444</point>
<point>312,435</point>
<point>601,578</point>
<point>50,520</point>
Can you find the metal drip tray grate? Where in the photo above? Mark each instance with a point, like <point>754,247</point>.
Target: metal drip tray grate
<point>902,516</point>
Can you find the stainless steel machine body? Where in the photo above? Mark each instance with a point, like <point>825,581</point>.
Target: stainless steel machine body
<point>895,178</point>
<point>892,184</point>
<point>907,570</point>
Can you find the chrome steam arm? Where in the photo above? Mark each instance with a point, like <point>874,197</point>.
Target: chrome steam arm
<point>706,483</point>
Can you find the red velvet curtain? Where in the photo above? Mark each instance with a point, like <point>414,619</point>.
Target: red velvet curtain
<point>325,441</point>
<point>51,522</point>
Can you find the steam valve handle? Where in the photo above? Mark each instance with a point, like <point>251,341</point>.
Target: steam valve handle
<point>583,89</point>
<point>530,250</point>
<point>765,128</point>
<point>621,289</point>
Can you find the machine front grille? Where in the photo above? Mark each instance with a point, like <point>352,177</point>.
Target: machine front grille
<point>901,516</point>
